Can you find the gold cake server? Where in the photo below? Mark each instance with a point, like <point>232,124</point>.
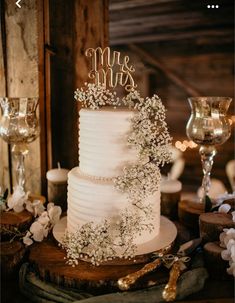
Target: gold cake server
<point>125,283</point>
<point>161,257</point>
<point>177,267</point>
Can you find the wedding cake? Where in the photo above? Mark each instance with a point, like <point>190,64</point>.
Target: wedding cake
<point>103,152</point>
<point>113,196</point>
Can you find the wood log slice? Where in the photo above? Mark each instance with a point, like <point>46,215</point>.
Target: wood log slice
<point>11,220</point>
<point>50,261</point>
<point>213,261</point>
<point>189,212</point>
<point>11,254</point>
<point>212,224</point>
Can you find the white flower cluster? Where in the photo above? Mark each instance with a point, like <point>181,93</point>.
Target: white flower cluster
<point>132,223</point>
<point>95,241</point>
<point>150,136</point>
<point>91,240</point>
<point>105,241</point>
<point>44,222</point>
<point>139,181</point>
<point>95,96</point>
<point>227,241</point>
<point>45,218</point>
<point>18,199</point>
<point>224,208</point>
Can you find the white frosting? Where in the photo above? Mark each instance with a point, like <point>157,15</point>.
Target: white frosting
<point>93,200</point>
<point>103,147</point>
<point>103,153</point>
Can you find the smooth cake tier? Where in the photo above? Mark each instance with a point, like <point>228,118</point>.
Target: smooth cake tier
<point>103,147</point>
<point>93,199</point>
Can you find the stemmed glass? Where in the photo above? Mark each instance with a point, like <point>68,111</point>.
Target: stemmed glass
<point>208,126</point>
<point>19,126</point>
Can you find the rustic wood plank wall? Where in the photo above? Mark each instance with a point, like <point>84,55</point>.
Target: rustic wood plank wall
<point>211,74</point>
<point>74,27</point>
<point>22,76</point>
<point>208,73</point>
<point>193,50</point>
<point>4,161</point>
<point>69,28</point>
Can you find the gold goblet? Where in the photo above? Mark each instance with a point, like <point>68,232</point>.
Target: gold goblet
<point>19,126</point>
<point>208,126</point>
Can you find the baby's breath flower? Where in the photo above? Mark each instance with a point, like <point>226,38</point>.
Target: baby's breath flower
<point>149,135</point>
<point>96,96</point>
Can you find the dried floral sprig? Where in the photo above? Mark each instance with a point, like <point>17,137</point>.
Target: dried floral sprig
<point>94,96</point>
<point>149,135</point>
<point>13,233</point>
<point>104,241</point>
<point>139,181</point>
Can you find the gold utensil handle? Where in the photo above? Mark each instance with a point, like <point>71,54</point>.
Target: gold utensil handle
<point>169,293</point>
<point>124,283</point>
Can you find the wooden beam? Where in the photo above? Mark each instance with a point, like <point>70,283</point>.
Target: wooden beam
<point>169,20</point>
<point>48,52</point>
<point>4,88</point>
<point>22,72</point>
<point>162,25</point>
<point>123,5</point>
<point>42,95</point>
<point>148,58</point>
<point>74,26</point>
<point>91,30</point>
<point>6,167</point>
<point>173,36</point>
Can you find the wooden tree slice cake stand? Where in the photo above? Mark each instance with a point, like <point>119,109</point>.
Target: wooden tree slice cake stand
<point>50,261</point>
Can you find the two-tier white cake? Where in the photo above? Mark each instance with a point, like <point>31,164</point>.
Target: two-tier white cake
<point>103,153</point>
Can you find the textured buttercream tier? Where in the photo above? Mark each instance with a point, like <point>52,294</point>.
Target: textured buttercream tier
<point>103,148</point>
<point>93,200</point>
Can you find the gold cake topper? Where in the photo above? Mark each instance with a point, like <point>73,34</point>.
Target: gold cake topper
<point>109,69</point>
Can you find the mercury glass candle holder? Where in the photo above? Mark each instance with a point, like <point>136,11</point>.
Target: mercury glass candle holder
<point>208,126</point>
<point>19,126</point>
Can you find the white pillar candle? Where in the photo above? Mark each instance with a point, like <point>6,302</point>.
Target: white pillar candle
<point>57,186</point>
<point>57,175</point>
<point>170,186</point>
